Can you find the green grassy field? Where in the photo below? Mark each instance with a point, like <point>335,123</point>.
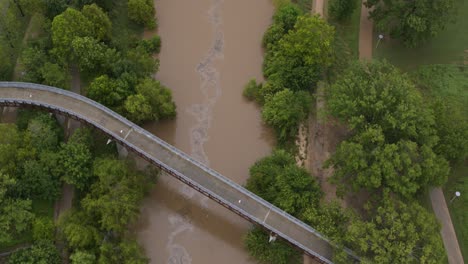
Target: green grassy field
<point>450,46</point>
<point>348,31</point>
<point>458,181</point>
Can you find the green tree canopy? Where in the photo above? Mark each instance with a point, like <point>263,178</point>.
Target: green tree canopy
<point>92,55</point>
<point>379,94</point>
<point>367,161</point>
<point>101,24</point>
<point>43,252</point>
<point>114,198</point>
<point>108,91</point>
<point>284,20</point>
<point>280,181</point>
<point>285,110</point>
<point>142,12</point>
<point>126,251</point>
<point>411,21</point>
<point>66,27</point>
<point>394,132</point>
<point>302,55</point>
<point>342,10</point>
<point>153,101</point>
<point>76,160</point>
<point>82,257</point>
<point>15,214</point>
<point>397,233</point>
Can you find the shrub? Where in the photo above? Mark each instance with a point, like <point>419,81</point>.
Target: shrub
<point>342,10</point>
<point>252,90</point>
<point>43,229</point>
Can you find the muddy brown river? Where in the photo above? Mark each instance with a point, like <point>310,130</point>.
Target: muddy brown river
<point>210,49</point>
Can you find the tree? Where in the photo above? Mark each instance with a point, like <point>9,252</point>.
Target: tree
<point>126,251</point>
<point>55,7</point>
<point>142,12</point>
<point>43,229</point>
<point>32,59</point>
<point>285,110</point>
<point>114,198</point>
<point>43,252</point>
<point>342,10</point>
<point>278,252</point>
<point>101,24</point>
<point>397,233</point>
<point>284,20</point>
<point>93,56</point>
<point>79,230</point>
<point>45,132</point>
<point>82,257</point>
<point>108,91</point>
<point>411,21</point>
<point>138,62</point>
<point>15,214</point>
<point>55,75</point>
<point>10,142</point>
<point>76,161</point>
<point>367,161</point>
<point>151,45</point>
<point>278,180</point>
<point>252,91</point>
<point>6,67</point>
<point>301,55</point>
<point>153,101</point>
<point>379,94</point>
<point>37,181</point>
<point>394,134</point>
<point>66,27</point>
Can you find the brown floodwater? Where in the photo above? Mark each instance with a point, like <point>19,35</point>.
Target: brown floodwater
<point>210,49</point>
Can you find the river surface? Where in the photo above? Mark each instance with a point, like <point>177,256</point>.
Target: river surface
<point>210,49</point>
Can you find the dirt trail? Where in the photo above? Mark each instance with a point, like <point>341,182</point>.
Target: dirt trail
<point>366,28</point>
<point>315,140</point>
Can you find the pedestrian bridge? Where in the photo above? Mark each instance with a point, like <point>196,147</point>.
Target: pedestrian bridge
<point>173,161</point>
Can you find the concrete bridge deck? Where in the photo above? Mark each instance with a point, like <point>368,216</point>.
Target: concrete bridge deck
<point>173,161</point>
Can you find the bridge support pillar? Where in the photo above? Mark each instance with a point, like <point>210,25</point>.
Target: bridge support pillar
<point>123,152</point>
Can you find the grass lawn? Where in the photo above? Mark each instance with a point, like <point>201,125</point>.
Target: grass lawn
<point>124,31</point>
<point>448,47</point>
<point>348,31</point>
<point>458,181</point>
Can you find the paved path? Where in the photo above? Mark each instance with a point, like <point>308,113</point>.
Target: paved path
<point>172,161</point>
<point>366,28</point>
<point>448,233</point>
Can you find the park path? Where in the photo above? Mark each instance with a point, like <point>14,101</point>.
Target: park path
<point>366,28</point>
<point>310,163</point>
<point>448,232</point>
<point>437,197</point>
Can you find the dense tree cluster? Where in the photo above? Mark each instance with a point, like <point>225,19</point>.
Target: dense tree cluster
<point>299,48</point>
<point>411,21</point>
<point>105,212</point>
<point>397,232</point>
<point>278,180</point>
<point>118,71</point>
<point>341,10</point>
<point>34,161</point>
<point>394,132</point>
